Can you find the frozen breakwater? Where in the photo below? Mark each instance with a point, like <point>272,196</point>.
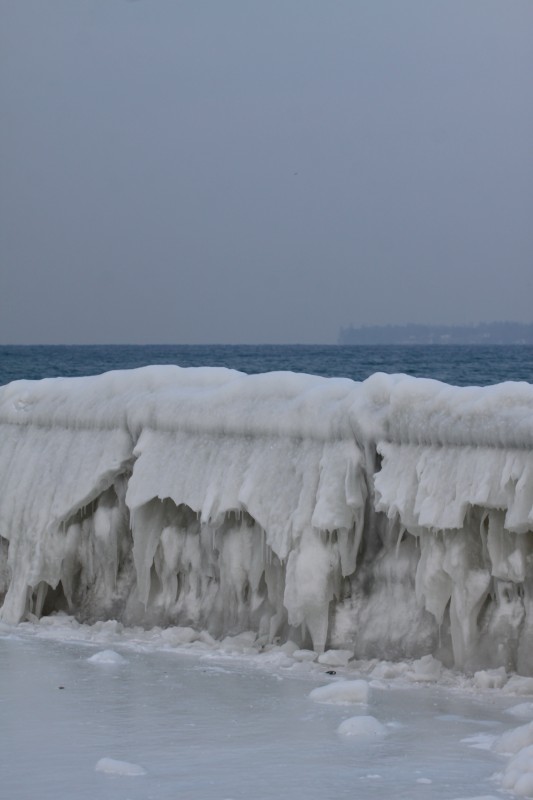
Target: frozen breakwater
<point>392,518</point>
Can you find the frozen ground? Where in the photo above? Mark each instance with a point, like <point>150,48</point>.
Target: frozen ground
<point>113,714</point>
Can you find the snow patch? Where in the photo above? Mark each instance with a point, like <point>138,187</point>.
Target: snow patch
<point>107,657</point>
<point>113,767</point>
<point>363,727</point>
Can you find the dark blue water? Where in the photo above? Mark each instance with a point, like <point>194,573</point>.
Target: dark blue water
<point>459,365</point>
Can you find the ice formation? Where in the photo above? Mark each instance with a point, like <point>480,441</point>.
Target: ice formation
<point>107,657</point>
<point>341,693</point>
<point>364,726</point>
<point>391,518</point>
<point>114,767</point>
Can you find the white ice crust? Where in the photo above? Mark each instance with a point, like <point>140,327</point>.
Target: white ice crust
<point>391,518</point>
<point>365,727</point>
<point>114,767</point>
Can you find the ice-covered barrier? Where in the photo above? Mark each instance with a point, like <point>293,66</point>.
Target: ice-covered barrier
<point>392,517</point>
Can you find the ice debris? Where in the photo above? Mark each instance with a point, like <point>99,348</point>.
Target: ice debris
<point>335,658</point>
<point>107,657</point>
<point>304,655</point>
<point>490,678</point>
<point>364,727</point>
<point>425,670</point>
<point>114,767</point>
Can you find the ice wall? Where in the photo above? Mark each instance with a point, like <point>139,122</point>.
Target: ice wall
<point>393,516</point>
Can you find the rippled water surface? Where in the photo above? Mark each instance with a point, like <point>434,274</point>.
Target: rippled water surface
<point>459,365</point>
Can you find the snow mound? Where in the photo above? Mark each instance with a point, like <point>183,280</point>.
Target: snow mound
<point>335,658</point>
<point>341,693</point>
<point>362,727</point>
<point>490,678</point>
<point>113,767</point>
<point>522,710</point>
<point>518,776</point>
<point>387,670</point>
<point>179,635</point>
<point>305,655</point>
<point>425,670</point>
<point>519,685</point>
<point>514,740</point>
<point>107,657</point>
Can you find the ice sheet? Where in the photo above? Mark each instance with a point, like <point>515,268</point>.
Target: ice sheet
<point>196,721</point>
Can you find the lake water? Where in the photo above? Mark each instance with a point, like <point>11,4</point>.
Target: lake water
<point>459,365</point>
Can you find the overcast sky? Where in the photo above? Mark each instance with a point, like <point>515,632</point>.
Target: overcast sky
<point>228,171</point>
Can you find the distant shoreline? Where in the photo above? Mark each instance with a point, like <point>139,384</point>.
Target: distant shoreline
<point>486,333</point>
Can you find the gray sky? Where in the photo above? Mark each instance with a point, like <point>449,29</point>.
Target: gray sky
<point>192,171</point>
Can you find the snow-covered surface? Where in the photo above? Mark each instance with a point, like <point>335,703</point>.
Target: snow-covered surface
<point>363,726</point>
<point>208,720</point>
<point>391,518</point>
<point>113,766</point>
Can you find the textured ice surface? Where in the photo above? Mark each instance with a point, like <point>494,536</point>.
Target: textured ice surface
<point>341,692</point>
<point>391,518</point>
<point>205,724</point>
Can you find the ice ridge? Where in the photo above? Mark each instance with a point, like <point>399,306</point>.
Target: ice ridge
<point>392,517</point>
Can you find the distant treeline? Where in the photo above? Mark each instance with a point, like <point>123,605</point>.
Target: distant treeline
<point>486,333</point>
